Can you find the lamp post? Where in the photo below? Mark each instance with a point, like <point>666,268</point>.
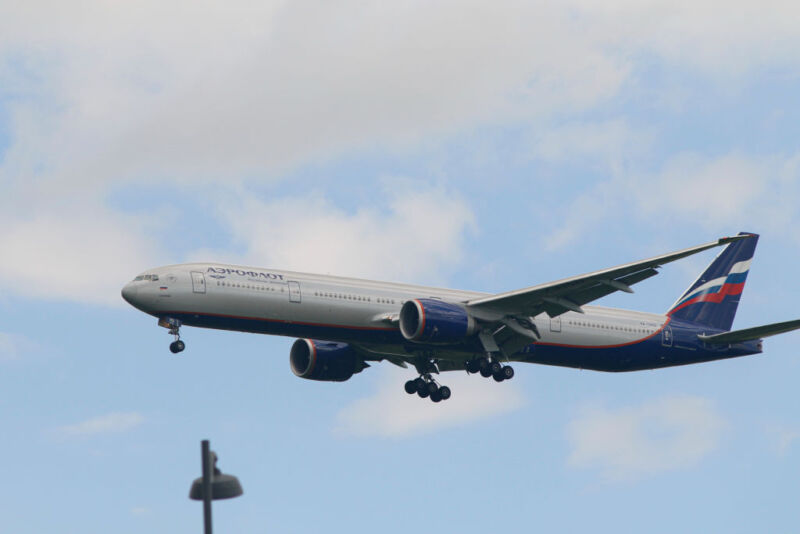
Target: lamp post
<point>213,485</point>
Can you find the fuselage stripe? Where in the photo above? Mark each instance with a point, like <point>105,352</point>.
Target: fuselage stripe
<point>713,297</point>
<point>263,319</point>
<point>626,344</point>
<point>715,286</point>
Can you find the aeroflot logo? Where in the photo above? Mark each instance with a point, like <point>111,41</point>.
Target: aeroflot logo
<point>241,272</point>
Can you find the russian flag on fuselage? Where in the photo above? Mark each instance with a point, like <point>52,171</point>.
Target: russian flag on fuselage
<point>713,298</point>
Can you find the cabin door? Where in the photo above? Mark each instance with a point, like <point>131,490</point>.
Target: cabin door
<point>666,336</point>
<point>198,282</point>
<point>294,292</point>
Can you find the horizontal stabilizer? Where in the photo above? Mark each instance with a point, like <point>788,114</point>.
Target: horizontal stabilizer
<point>749,334</point>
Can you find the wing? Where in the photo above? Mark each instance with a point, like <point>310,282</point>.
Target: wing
<point>570,294</point>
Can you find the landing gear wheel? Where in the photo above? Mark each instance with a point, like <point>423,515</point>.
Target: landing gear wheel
<point>436,396</point>
<point>432,387</point>
<point>473,366</point>
<point>498,377</point>
<point>495,367</point>
<point>411,387</point>
<point>444,392</point>
<point>486,372</point>
<point>508,372</point>
<point>177,346</point>
<point>423,392</point>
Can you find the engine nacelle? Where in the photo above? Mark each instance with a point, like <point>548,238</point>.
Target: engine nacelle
<point>324,360</point>
<point>434,321</point>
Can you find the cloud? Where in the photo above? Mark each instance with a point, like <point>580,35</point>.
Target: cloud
<point>261,85</point>
<point>717,37</point>
<point>392,413</point>
<point>85,252</point>
<point>12,346</point>
<point>726,193</point>
<point>413,232</point>
<point>634,442</point>
<point>611,144</point>
<point>730,192</point>
<point>111,423</point>
<point>96,98</point>
<point>250,88</point>
<point>78,255</point>
<point>264,86</point>
<point>782,436</point>
<point>711,191</point>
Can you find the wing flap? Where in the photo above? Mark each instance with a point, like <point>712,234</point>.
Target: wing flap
<point>749,334</point>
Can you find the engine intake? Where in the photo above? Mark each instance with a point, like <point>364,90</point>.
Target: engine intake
<point>434,321</point>
<point>324,360</point>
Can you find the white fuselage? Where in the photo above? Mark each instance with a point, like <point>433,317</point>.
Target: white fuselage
<point>344,309</point>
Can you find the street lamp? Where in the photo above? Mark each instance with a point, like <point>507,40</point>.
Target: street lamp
<point>213,485</point>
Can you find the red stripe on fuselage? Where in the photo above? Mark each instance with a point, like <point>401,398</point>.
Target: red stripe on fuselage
<point>654,334</point>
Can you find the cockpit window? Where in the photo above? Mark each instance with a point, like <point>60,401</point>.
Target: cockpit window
<point>148,277</point>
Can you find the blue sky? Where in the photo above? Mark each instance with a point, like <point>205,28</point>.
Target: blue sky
<point>461,144</point>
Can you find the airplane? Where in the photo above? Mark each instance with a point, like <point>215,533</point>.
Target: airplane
<point>345,323</point>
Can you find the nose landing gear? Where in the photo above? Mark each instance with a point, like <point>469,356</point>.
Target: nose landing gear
<point>174,327</point>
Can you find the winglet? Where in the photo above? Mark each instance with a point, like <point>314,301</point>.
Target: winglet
<point>731,239</point>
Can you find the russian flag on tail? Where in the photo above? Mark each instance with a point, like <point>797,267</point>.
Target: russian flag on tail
<point>713,298</point>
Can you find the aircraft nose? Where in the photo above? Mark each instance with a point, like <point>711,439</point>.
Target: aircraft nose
<point>129,293</point>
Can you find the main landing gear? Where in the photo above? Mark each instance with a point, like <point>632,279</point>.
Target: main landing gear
<point>174,327</point>
<point>426,386</point>
<point>487,367</point>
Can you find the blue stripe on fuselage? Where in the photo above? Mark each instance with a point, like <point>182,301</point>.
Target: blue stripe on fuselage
<point>649,353</point>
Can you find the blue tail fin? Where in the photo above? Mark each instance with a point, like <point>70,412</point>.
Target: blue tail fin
<point>712,300</point>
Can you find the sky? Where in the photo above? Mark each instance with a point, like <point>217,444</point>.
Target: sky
<point>485,146</point>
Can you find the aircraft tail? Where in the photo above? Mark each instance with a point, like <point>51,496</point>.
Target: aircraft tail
<point>713,298</point>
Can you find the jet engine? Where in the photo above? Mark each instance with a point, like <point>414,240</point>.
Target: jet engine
<point>324,360</point>
<point>435,321</point>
